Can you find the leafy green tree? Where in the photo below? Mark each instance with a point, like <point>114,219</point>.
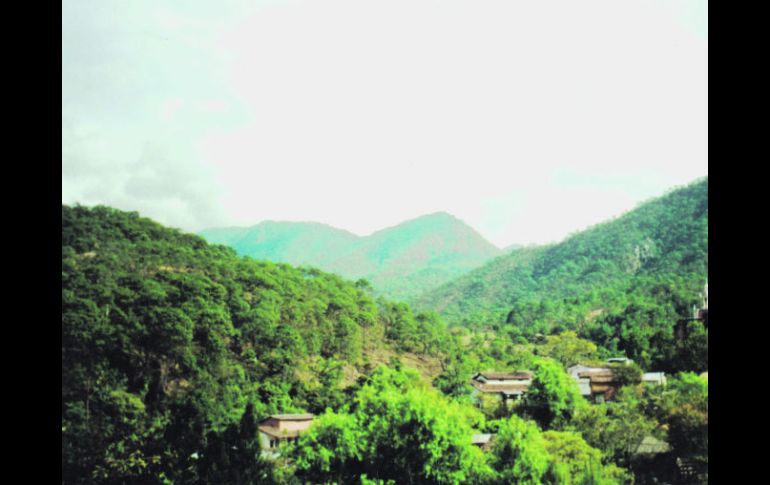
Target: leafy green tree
<point>331,451</point>
<point>454,380</point>
<point>574,462</point>
<point>616,428</point>
<point>400,430</point>
<point>684,408</point>
<point>323,390</point>
<point>518,453</point>
<point>233,456</point>
<point>553,397</point>
<point>422,437</point>
<point>627,374</point>
<point>568,349</point>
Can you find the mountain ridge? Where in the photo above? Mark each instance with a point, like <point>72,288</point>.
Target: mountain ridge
<point>400,261</point>
<point>667,234</point>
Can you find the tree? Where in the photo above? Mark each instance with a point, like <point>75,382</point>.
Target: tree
<point>616,428</point>
<point>627,374</point>
<point>233,456</point>
<point>568,349</point>
<point>553,396</point>
<point>399,430</point>
<point>418,433</point>
<point>686,413</point>
<point>518,453</point>
<point>331,450</point>
<point>575,462</point>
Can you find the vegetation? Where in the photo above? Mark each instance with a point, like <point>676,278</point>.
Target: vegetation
<point>166,340</point>
<point>173,350</point>
<point>553,397</point>
<point>665,236</point>
<point>622,285</point>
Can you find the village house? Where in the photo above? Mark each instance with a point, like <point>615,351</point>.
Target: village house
<point>282,428</point>
<point>654,378</point>
<point>483,440</point>
<point>491,387</point>
<point>582,374</point>
<point>602,384</point>
<point>599,384</point>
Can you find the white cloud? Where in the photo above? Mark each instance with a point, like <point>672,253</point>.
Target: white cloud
<point>363,114</point>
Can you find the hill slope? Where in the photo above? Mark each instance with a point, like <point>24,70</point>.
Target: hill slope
<point>665,236</point>
<point>305,243</point>
<point>399,261</point>
<point>166,339</point>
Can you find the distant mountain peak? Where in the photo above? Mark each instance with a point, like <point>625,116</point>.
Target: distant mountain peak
<point>400,261</point>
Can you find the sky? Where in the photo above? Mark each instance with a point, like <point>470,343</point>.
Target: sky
<point>527,120</point>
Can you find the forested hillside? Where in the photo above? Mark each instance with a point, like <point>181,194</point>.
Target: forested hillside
<point>624,284</point>
<point>400,261</point>
<point>666,236</point>
<point>166,339</point>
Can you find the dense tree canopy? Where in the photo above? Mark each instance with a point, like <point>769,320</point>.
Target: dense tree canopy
<point>622,284</point>
<point>166,340</point>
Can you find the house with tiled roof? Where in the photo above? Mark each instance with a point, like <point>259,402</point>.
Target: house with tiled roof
<point>282,428</point>
<point>506,386</point>
<point>599,384</point>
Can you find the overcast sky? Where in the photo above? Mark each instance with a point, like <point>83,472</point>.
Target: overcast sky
<point>528,120</point>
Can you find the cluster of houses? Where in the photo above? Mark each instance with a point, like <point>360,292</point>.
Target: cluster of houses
<point>597,384</point>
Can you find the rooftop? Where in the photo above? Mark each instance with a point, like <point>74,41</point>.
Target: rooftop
<point>292,417</point>
<point>279,433</point>
<point>480,439</point>
<point>651,445</point>
<point>503,376</point>
<point>513,388</point>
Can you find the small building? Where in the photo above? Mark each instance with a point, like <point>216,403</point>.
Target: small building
<point>282,428</point>
<point>508,386</point>
<point>483,441</point>
<point>603,384</point>
<point>511,385</point>
<point>584,384</point>
<point>576,369</point>
<point>650,445</point>
<point>596,383</point>
<point>654,378</point>
<point>503,377</point>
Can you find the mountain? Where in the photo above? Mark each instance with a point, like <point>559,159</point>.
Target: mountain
<point>306,243</point>
<point>400,261</point>
<point>663,238</point>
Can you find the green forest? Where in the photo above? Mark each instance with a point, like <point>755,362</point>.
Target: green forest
<point>175,349</point>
